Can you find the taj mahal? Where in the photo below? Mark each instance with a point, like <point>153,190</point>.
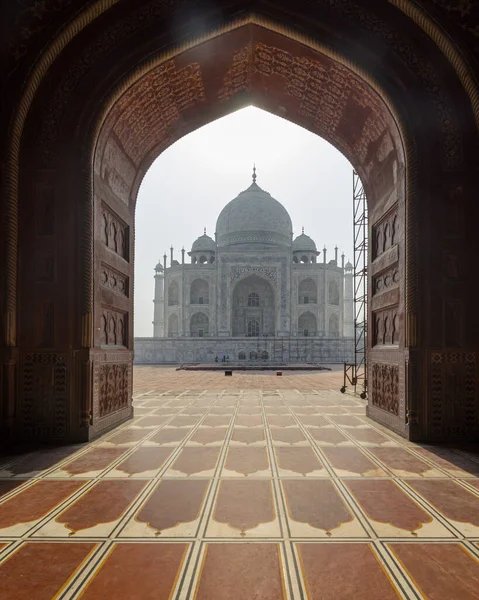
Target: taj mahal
<point>254,293</point>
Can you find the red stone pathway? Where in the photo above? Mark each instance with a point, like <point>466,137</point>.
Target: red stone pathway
<point>253,486</point>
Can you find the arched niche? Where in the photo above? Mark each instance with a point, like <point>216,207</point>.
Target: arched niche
<point>253,309</point>
<point>333,330</point>
<point>173,325</point>
<point>173,294</point>
<point>333,292</point>
<point>307,291</point>
<point>199,325</point>
<point>307,324</point>
<point>199,292</point>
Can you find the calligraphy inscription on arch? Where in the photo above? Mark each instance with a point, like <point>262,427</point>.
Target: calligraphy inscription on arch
<point>270,273</point>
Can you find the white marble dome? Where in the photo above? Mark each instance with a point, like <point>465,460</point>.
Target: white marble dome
<point>303,243</point>
<point>203,244</point>
<point>254,217</point>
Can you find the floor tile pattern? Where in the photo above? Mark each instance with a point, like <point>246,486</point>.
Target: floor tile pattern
<point>240,493</point>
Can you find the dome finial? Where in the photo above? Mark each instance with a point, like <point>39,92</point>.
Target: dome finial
<point>254,173</point>
<point>303,230</point>
<point>204,231</point>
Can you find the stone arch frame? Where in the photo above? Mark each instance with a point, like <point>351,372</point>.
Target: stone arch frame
<point>409,336</point>
<point>199,288</point>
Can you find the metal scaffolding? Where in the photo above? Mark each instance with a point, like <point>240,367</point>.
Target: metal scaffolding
<point>355,373</point>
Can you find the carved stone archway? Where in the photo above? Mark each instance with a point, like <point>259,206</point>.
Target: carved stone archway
<point>125,83</point>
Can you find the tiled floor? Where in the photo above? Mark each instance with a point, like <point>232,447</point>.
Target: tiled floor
<point>244,493</point>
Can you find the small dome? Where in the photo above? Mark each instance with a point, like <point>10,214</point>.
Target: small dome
<point>304,243</point>
<point>159,267</point>
<point>348,265</point>
<point>203,244</point>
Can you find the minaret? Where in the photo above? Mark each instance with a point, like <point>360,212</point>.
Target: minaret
<point>159,302</point>
<point>348,320</point>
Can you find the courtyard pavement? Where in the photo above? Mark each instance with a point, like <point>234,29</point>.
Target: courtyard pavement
<point>247,487</point>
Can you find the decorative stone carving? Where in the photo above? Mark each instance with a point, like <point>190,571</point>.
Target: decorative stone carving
<point>114,280</point>
<point>384,233</point>
<point>385,387</point>
<point>386,327</point>
<point>385,280</point>
<point>114,232</point>
<point>45,395</point>
<point>113,387</point>
<point>113,327</point>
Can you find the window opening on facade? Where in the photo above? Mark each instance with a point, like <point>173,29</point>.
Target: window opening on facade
<point>253,329</point>
<point>253,299</point>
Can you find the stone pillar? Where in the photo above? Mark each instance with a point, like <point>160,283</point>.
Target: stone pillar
<point>348,302</point>
<point>159,303</point>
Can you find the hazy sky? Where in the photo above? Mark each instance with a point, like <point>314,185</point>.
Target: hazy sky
<point>188,185</point>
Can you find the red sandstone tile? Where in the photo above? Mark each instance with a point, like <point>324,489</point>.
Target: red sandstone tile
<point>474,482</point>
<point>370,435</point>
<point>151,422</point>
<point>241,572</point>
<point>209,436</point>
<point>400,461</point>
<point>276,410</point>
<point>347,460</point>
<point>250,410</point>
<point>105,502</point>
<point>347,420</point>
<point>291,435</point>
<point>281,421</point>
<point>216,421</point>
<point>247,461</point>
<point>127,436</point>
<point>329,436</point>
<point>196,460</point>
<point>184,421</point>
<point>244,505</point>
<point>146,570</point>
<point>248,436</point>
<point>343,572</point>
<point>315,502</point>
<point>451,499</point>
<point>314,420</point>
<point>385,502</point>
<point>40,570</point>
<point>167,436</point>
<point>36,501</point>
<point>222,410</point>
<point>299,460</point>
<point>305,410</point>
<point>249,420</point>
<point>146,458</point>
<point>96,459</point>
<point>173,502</point>
<point>449,572</point>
